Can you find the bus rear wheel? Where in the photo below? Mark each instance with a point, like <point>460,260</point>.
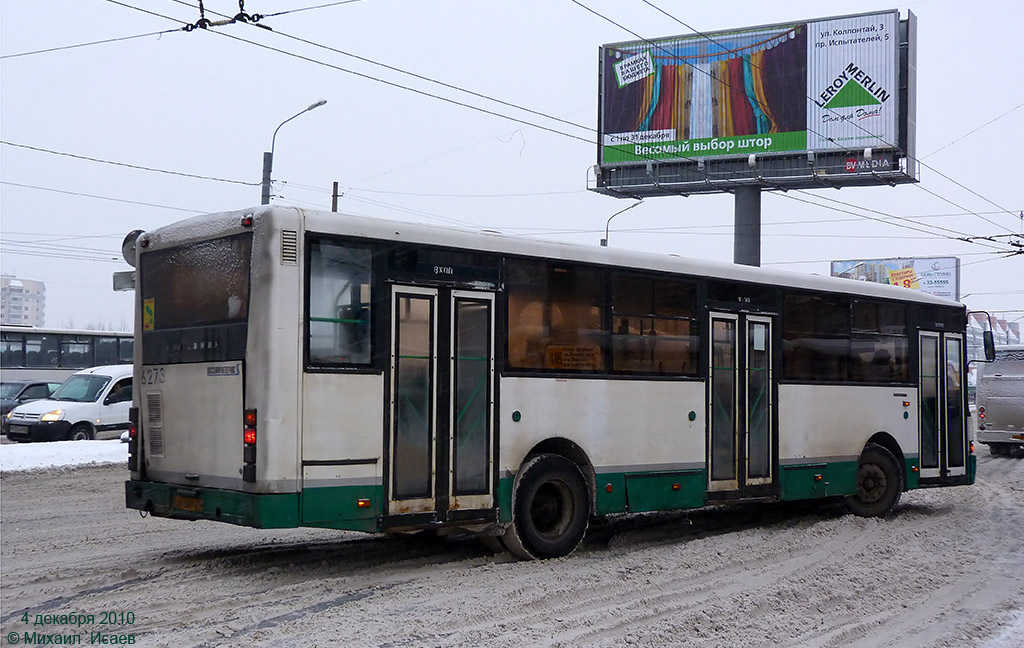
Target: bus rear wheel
<point>550,509</point>
<point>879,483</point>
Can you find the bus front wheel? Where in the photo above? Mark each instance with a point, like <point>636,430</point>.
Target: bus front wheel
<point>879,483</point>
<point>550,508</point>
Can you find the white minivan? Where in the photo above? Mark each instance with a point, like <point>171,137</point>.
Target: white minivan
<point>90,401</point>
<point>1000,401</point>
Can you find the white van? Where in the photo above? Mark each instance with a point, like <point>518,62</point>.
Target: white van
<point>90,401</point>
<point>1000,401</point>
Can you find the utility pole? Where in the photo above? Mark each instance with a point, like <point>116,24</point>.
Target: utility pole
<point>334,198</point>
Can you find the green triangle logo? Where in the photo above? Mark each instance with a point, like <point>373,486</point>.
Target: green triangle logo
<point>852,94</point>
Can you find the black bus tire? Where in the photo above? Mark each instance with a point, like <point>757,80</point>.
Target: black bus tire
<point>550,508</point>
<point>879,483</point>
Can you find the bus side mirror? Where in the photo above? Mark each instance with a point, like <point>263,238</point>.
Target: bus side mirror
<point>990,346</point>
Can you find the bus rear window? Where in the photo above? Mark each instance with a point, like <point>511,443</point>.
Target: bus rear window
<point>198,284</point>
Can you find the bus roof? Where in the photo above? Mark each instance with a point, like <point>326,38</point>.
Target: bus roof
<point>219,224</point>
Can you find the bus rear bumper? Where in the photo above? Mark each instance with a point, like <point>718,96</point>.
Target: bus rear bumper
<point>258,510</point>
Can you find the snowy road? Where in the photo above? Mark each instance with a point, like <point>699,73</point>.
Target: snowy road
<point>946,570</point>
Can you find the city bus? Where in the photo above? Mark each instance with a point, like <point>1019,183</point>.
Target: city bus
<point>301,368</point>
<point>53,354</point>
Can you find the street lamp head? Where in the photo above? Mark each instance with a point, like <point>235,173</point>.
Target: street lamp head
<point>316,105</point>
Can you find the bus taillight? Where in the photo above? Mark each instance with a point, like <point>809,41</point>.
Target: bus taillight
<point>249,445</point>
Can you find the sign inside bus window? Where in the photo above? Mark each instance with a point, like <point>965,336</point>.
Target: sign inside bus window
<point>148,314</point>
<point>573,357</point>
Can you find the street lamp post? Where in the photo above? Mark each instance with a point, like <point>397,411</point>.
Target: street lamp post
<point>268,157</point>
<point>604,241</point>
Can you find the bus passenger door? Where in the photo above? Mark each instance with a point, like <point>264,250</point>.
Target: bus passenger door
<point>441,401</point>
<point>471,402</point>
<point>741,430</point>
<point>413,396</point>
<point>943,442</point>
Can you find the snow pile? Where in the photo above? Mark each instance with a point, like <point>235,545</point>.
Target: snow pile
<point>30,456</point>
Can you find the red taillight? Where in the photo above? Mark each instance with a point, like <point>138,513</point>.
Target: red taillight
<point>981,412</point>
<point>249,421</point>
<point>133,431</point>
<point>249,445</point>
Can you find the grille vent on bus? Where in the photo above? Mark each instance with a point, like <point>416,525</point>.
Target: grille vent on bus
<point>289,247</point>
<point>154,429</point>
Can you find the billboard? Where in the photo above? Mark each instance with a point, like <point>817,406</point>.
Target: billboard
<point>939,276</point>
<point>831,97</point>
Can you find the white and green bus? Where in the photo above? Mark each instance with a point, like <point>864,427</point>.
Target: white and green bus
<point>301,368</point>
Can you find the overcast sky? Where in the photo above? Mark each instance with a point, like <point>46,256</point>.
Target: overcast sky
<point>207,102</point>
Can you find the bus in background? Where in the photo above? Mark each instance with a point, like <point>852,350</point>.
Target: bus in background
<point>1000,401</point>
<point>299,368</point>
<point>31,353</point>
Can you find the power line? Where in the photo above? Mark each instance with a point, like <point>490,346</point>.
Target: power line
<point>438,195</point>
<point>99,42</point>
<point>330,4</point>
<point>879,220</point>
<point>1003,256</point>
<point>85,195</point>
<point>129,166</point>
<point>971,132</point>
<point>74,257</point>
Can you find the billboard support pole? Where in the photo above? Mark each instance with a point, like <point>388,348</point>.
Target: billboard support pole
<point>747,227</point>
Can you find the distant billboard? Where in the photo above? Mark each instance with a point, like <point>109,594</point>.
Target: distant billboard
<point>939,276</point>
<point>831,87</point>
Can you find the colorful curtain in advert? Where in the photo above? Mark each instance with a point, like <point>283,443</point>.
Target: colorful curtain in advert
<point>755,89</point>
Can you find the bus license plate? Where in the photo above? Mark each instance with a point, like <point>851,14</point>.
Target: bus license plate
<point>193,504</point>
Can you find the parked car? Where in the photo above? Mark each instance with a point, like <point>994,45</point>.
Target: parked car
<point>90,401</point>
<point>1000,401</point>
<point>19,392</point>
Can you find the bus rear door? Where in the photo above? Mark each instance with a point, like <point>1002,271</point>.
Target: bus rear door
<point>943,441</point>
<point>741,403</point>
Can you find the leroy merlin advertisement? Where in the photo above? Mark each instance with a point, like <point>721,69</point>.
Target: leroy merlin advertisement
<point>939,276</point>
<point>827,84</point>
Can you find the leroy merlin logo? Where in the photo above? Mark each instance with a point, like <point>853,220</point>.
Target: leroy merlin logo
<point>852,87</point>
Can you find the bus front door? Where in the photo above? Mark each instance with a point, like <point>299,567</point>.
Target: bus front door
<point>943,441</point>
<point>441,429</point>
<point>741,387</point>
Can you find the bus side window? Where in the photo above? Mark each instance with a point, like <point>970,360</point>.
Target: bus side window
<point>339,304</point>
<point>652,326</point>
<point>555,317</point>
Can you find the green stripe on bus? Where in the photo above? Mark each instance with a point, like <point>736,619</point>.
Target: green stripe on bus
<point>334,320</point>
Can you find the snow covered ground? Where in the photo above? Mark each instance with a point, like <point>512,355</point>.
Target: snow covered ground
<point>945,570</point>
<point>30,456</point>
